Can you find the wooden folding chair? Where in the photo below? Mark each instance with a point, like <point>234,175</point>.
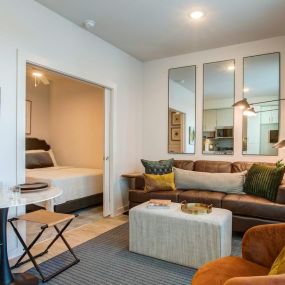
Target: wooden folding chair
<point>46,219</point>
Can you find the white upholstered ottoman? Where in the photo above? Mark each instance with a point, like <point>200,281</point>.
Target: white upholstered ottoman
<point>172,235</point>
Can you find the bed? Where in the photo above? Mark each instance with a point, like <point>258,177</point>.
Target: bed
<point>82,187</point>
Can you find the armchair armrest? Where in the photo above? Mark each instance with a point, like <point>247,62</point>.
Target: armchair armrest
<point>262,244</point>
<point>254,280</point>
<point>281,193</point>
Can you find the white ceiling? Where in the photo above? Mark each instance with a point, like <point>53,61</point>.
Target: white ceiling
<point>151,29</point>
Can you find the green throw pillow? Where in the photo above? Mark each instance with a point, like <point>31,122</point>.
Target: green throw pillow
<point>263,181</point>
<point>158,167</point>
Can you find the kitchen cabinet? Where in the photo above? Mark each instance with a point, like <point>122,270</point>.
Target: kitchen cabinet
<point>210,120</point>
<point>225,117</point>
<point>269,116</point>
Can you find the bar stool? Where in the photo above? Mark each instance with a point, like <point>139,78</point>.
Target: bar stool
<point>46,219</point>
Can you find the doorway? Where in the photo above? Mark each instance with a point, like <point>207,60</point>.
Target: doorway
<point>26,128</point>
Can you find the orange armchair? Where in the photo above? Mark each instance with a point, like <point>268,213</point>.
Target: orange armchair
<point>260,247</point>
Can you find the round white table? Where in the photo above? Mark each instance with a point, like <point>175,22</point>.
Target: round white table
<point>9,200</point>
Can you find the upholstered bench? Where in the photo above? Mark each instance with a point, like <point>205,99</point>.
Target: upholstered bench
<point>175,236</point>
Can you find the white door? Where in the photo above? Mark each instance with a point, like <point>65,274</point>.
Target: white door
<point>106,158</point>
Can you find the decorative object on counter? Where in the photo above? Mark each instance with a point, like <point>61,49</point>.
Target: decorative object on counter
<point>196,208</point>
<point>158,204</point>
<point>154,182</point>
<point>264,181</point>
<point>158,167</point>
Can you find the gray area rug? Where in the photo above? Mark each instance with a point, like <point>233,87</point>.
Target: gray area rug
<point>105,260</point>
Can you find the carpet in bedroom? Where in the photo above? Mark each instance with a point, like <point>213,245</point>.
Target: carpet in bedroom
<point>105,260</point>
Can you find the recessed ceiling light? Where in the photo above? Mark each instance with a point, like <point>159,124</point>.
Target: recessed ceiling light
<point>196,15</point>
<point>231,67</point>
<point>89,24</point>
<point>37,74</point>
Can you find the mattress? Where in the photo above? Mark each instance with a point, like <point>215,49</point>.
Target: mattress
<point>74,182</point>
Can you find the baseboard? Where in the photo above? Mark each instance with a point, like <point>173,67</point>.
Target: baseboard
<point>120,211</point>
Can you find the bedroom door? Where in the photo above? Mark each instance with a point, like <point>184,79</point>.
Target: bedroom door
<point>106,165</point>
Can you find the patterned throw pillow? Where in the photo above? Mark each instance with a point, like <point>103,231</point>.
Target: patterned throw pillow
<point>164,182</point>
<point>264,181</point>
<point>158,167</point>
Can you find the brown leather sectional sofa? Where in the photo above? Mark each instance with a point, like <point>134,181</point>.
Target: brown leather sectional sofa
<point>247,210</point>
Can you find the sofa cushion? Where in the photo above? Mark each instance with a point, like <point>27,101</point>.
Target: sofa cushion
<point>220,182</point>
<point>164,182</point>
<point>213,166</point>
<point>184,164</point>
<point>168,195</point>
<point>158,167</point>
<point>253,206</point>
<point>239,166</point>
<point>264,181</point>
<point>138,196</point>
<point>202,196</point>
<point>219,271</point>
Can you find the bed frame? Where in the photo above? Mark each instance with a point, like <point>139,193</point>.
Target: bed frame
<point>70,206</point>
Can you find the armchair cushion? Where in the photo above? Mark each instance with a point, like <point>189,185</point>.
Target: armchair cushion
<point>219,271</point>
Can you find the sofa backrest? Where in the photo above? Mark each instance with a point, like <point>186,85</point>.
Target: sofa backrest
<point>213,166</point>
<point>184,164</point>
<point>239,166</point>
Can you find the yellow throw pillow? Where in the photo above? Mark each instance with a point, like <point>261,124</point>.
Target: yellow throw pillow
<point>163,182</point>
<point>278,266</point>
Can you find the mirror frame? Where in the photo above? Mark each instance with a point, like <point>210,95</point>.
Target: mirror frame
<point>195,140</point>
<point>234,98</point>
<point>279,97</point>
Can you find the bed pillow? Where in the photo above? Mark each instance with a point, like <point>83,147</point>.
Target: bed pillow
<point>264,181</point>
<point>220,182</point>
<point>154,182</point>
<point>38,160</point>
<point>41,150</point>
<point>158,167</point>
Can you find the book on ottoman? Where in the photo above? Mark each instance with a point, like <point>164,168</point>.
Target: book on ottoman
<point>158,204</point>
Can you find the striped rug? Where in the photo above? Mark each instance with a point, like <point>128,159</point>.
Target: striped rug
<point>105,260</point>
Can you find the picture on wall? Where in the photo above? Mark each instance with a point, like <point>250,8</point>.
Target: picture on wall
<point>28,117</point>
<point>175,134</point>
<point>175,118</point>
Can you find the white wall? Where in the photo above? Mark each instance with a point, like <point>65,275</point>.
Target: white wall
<point>76,123</point>
<point>155,102</point>
<point>40,109</point>
<point>50,40</point>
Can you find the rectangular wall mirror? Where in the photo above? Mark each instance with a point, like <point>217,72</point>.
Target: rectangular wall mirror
<point>218,113</point>
<point>182,109</point>
<point>262,91</point>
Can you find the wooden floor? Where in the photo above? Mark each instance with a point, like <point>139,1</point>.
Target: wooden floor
<point>88,225</point>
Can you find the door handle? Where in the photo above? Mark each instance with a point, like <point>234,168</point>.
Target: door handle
<point>106,158</point>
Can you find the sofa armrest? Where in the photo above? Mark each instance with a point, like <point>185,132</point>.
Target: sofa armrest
<point>254,280</point>
<point>136,180</point>
<point>281,193</point>
<point>262,244</point>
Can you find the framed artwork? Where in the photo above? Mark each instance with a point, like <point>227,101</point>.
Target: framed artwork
<point>175,118</point>
<point>175,134</point>
<point>273,136</point>
<point>28,117</point>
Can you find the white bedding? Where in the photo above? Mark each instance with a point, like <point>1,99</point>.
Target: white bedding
<point>75,182</point>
